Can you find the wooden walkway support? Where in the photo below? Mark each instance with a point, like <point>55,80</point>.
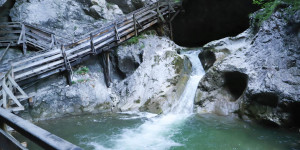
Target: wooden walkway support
<point>101,40</point>
<point>52,60</point>
<point>9,88</point>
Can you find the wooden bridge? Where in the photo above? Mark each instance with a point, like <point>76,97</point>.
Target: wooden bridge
<point>59,54</point>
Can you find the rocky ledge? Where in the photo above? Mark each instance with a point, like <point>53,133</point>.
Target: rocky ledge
<point>256,74</point>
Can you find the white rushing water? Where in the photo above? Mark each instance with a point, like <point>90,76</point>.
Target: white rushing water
<point>157,132</point>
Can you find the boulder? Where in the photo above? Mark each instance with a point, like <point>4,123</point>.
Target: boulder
<point>260,77</point>
<point>159,79</point>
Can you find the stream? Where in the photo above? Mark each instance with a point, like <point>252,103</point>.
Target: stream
<point>178,128</point>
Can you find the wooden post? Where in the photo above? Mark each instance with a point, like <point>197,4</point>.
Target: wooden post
<point>68,69</point>
<point>3,54</point>
<point>24,39</point>
<point>92,44</point>
<point>52,41</point>
<point>116,32</point>
<point>170,23</point>
<point>4,97</point>
<point>135,28</point>
<point>106,68</point>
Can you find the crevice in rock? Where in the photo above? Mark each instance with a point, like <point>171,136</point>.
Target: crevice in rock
<point>268,123</point>
<point>236,83</point>
<point>5,10</point>
<point>294,110</point>
<point>207,59</point>
<point>268,99</point>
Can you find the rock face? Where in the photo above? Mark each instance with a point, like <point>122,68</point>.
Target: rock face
<point>2,2</point>
<point>158,81</point>
<point>130,57</point>
<point>130,5</point>
<point>68,17</point>
<point>203,21</point>
<point>54,98</point>
<point>260,77</point>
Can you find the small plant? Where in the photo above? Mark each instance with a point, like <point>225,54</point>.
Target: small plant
<point>82,70</point>
<point>142,46</point>
<point>269,6</point>
<point>134,40</point>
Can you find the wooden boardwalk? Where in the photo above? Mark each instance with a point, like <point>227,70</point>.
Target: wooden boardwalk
<point>57,54</point>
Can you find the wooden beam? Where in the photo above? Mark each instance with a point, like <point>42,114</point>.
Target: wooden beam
<point>11,95</point>
<point>3,54</point>
<point>9,143</point>
<point>34,133</point>
<point>92,44</point>
<point>68,68</point>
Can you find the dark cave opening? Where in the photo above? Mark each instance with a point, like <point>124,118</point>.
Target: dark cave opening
<point>203,21</point>
<point>294,110</point>
<point>236,82</point>
<point>268,99</point>
<point>5,10</point>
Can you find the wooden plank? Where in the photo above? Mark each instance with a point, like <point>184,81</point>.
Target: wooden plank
<point>8,38</point>
<point>11,95</point>
<point>42,31</point>
<point>17,76</point>
<point>8,142</point>
<point>9,31</point>
<point>38,37</point>
<point>34,133</point>
<point>6,44</point>
<point>49,59</point>
<point>47,54</point>
<point>3,54</point>
<point>10,26</point>
<point>4,98</point>
<point>17,86</point>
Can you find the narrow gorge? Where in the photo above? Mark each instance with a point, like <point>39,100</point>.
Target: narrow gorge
<point>154,75</point>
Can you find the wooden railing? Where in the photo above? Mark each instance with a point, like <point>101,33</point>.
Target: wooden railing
<point>34,133</point>
<point>98,41</point>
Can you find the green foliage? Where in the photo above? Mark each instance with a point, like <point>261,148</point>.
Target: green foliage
<point>142,46</point>
<point>269,6</point>
<point>134,40</point>
<point>82,70</point>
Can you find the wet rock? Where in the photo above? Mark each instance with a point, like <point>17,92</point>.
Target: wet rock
<point>268,59</point>
<point>158,81</point>
<point>130,57</point>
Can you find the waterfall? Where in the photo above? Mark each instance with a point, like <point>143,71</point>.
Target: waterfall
<point>186,102</point>
<point>157,132</point>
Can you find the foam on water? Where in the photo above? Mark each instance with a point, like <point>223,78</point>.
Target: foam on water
<point>157,132</point>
